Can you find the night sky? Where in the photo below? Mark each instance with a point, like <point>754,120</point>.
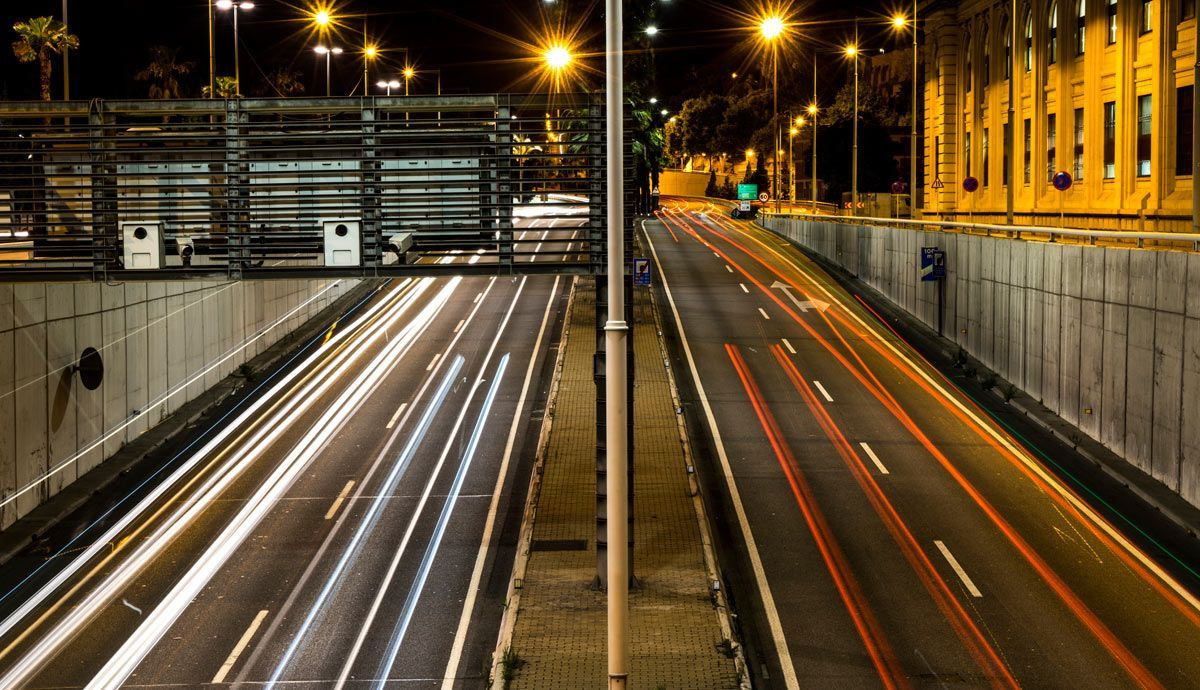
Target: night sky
<point>697,48</point>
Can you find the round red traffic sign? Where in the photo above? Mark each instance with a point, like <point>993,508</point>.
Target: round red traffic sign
<point>1061,180</point>
<point>970,184</point>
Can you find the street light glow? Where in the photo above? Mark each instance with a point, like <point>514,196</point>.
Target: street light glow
<point>394,84</point>
<point>899,21</point>
<point>336,51</point>
<point>409,72</point>
<point>851,50</point>
<point>673,119</point>
<point>794,131</point>
<point>664,112</point>
<point>653,100</point>
<point>651,30</point>
<point>371,51</point>
<point>557,57</point>
<point>320,50</point>
<point>812,109</point>
<point>749,153</point>
<point>771,27</point>
<point>322,18</point>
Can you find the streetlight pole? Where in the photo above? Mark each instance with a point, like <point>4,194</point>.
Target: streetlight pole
<point>212,55</point>
<point>227,5</point>
<point>615,333</point>
<point>328,53</point>
<point>1195,132</point>
<point>66,58</point>
<point>1011,145</point>
<point>912,163</point>
<point>792,132</point>
<point>854,161</point>
<point>775,117</point>
<point>812,110</point>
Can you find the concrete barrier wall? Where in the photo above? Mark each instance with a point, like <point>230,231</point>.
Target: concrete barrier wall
<point>682,183</point>
<point>1107,338</point>
<point>158,342</point>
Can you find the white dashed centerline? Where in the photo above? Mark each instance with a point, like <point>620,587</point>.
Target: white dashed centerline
<point>727,268</point>
<point>744,288</point>
<point>433,362</point>
<point>874,458</point>
<point>824,393</point>
<point>958,570</point>
<point>764,314</point>
<point>399,411</point>
<point>337,502</point>
<point>239,648</point>
<point>788,346</point>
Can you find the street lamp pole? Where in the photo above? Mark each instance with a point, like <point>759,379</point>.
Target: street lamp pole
<point>1196,131</point>
<point>912,163</point>
<point>854,162</point>
<point>792,132</point>
<point>212,57</point>
<point>1011,130</point>
<point>775,116</point>
<point>66,58</point>
<point>615,365</point>
<point>812,111</point>
<point>235,6</point>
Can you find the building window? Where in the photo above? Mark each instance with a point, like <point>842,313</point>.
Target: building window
<point>1028,149</point>
<point>1110,140</point>
<point>967,153</point>
<point>1143,136</point>
<point>1028,41</point>
<point>1112,21</point>
<point>985,156</point>
<point>1052,35</point>
<point>986,76</point>
<point>967,75</point>
<point>1004,157</point>
<point>1051,144</point>
<point>1008,54</point>
<point>1078,144</point>
<point>1187,10</point>
<point>1183,130</point>
<point>1081,26</point>
<point>1146,19</point>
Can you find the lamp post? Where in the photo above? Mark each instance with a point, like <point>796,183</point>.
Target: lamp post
<point>899,21</point>
<point>389,85</point>
<point>772,28</point>
<point>328,53</point>
<point>370,52</point>
<point>66,55</point>
<point>812,113</point>
<point>226,6</point>
<point>852,51</point>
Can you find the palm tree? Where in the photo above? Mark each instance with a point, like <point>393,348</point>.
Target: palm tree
<point>37,38</point>
<point>283,82</point>
<point>226,88</point>
<point>163,72</point>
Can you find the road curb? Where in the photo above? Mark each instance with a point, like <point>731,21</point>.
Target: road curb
<point>711,566</point>
<point>512,601</point>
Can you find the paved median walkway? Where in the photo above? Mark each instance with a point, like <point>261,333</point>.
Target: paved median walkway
<point>560,633</point>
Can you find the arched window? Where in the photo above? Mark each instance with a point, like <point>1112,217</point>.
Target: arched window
<point>1008,54</point>
<point>1028,41</point>
<point>1080,26</point>
<point>986,75</point>
<point>1112,21</point>
<point>1052,35</point>
<point>967,75</point>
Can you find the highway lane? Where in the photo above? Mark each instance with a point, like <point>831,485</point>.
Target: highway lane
<point>423,403</point>
<point>896,535</point>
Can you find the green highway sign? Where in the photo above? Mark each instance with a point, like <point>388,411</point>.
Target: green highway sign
<point>747,192</point>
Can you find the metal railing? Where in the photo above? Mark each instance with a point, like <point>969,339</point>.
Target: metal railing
<point>260,188</point>
<point>1049,234</point>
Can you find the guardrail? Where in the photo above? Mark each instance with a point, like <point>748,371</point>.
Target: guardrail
<point>324,187</point>
<point>1011,231</point>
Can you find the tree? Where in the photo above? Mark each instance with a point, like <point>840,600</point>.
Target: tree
<point>700,117</point>
<point>282,82</point>
<point>37,39</point>
<point>226,88</point>
<point>164,72</point>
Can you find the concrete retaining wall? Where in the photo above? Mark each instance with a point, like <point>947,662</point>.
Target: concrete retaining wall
<point>157,340</point>
<point>1107,338</point>
<point>682,183</point>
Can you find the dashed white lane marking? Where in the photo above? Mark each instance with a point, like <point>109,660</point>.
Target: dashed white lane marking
<point>744,288</point>
<point>727,268</point>
<point>788,346</point>
<point>337,502</point>
<point>825,393</point>
<point>716,255</point>
<point>764,314</point>
<point>239,647</point>
<point>460,325</point>
<point>477,296</point>
<point>874,458</point>
<point>962,574</point>
<point>399,411</point>
<point>433,362</point>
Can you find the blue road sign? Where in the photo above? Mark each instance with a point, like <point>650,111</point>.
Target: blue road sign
<point>933,263</point>
<point>1062,180</point>
<point>970,184</point>
<point>641,272</point>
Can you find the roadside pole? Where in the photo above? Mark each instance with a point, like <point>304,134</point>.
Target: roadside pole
<point>615,365</point>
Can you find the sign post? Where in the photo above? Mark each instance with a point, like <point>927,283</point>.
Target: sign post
<point>970,184</point>
<point>641,272</point>
<point>746,194</point>
<point>1062,182</point>
<point>933,269</point>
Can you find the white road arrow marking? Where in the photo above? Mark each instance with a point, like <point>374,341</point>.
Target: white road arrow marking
<point>802,305</point>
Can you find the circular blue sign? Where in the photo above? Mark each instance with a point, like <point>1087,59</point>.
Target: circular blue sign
<point>1061,180</point>
<point>970,184</point>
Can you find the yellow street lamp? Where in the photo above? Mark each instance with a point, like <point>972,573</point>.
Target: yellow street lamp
<point>812,109</point>
<point>557,57</point>
<point>771,27</point>
<point>851,51</point>
<point>899,21</point>
<point>794,131</point>
<point>322,18</point>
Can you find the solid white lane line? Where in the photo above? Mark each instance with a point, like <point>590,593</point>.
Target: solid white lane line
<point>459,325</point>
<point>788,345</point>
<point>874,458</point>
<point>399,411</point>
<point>791,682</point>
<point>962,574</point>
<point>337,503</point>
<point>764,314</point>
<point>744,288</point>
<point>239,648</point>
<point>460,637</point>
<point>727,268</point>
<point>824,393</point>
<point>433,362</point>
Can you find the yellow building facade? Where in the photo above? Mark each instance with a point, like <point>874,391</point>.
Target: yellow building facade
<point>1102,90</point>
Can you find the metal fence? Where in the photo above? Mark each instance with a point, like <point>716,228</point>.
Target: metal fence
<point>480,184</point>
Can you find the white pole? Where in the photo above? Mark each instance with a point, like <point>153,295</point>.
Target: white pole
<point>912,163</point>
<point>615,331</point>
<point>854,162</point>
<point>237,62</point>
<point>66,58</point>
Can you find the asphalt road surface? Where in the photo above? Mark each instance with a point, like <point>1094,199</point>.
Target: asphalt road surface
<point>352,526</point>
<point>892,533</point>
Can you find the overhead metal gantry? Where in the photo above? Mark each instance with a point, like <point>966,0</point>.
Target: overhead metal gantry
<point>286,188</point>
